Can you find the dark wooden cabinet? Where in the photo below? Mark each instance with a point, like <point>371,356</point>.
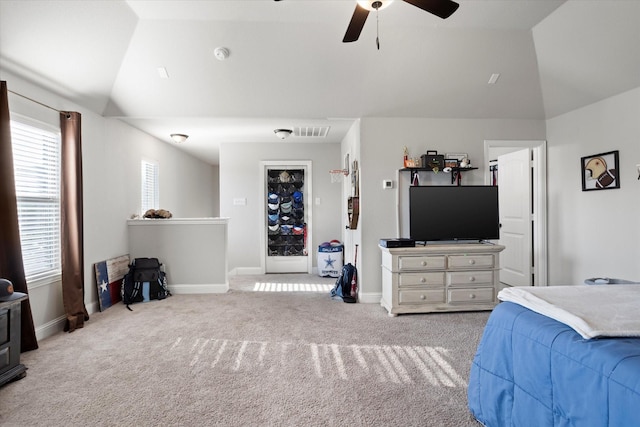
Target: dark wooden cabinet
<point>10,366</point>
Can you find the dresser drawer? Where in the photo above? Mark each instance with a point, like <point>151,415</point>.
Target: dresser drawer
<point>467,278</point>
<point>471,261</point>
<point>4,326</point>
<point>421,296</point>
<point>421,279</point>
<point>421,262</point>
<point>5,358</point>
<point>471,295</point>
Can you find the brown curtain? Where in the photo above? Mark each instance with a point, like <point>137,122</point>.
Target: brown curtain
<point>11,267</point>
<point>72,224</point>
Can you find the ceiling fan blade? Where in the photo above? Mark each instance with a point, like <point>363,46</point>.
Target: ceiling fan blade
<point>355,25</point>
<point>441,8</point>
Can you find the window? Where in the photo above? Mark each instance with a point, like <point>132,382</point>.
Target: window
<point>36,163</point>
<point>149,191</point>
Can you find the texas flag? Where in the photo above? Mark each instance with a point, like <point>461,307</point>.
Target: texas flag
<point>109,276</point>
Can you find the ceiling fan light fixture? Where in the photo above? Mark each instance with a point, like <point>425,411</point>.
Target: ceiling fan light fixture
<point>179,138</point>
<point>372,5</point>
<point>283,133</point>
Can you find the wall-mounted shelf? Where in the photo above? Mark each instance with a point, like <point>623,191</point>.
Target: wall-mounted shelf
<point>455,172</point>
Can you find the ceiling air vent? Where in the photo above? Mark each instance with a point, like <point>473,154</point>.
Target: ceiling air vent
<point>311,131</point>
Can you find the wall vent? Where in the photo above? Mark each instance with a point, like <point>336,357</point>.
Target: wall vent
<point>311,131</point>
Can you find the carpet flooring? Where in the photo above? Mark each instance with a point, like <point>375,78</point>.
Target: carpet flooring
<point>273,351</point>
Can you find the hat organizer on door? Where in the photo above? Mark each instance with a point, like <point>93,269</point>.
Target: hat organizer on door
<point>285,212</point>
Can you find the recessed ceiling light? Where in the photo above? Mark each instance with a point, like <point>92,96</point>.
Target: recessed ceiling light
<point>162,72</point>
<point>494,78</point>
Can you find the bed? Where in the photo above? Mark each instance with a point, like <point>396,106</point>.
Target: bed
<point>559,356</point>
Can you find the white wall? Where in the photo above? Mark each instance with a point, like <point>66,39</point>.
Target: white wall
<point>111,155</point>
<point>240,178</point>
<point>351,145</point>
<point>381,151</point>
<point>594,233</point>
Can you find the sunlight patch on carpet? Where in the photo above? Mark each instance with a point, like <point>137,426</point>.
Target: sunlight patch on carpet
<point>292,287</point>
<point>394,364</point>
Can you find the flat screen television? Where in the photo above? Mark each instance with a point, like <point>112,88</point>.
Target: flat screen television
<point>467,212</point>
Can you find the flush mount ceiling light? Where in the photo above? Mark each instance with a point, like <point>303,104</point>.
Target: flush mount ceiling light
<point>179,137</point>
<point>283,133</point>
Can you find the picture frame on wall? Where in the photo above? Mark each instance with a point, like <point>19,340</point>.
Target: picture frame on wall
<point>600,171</point>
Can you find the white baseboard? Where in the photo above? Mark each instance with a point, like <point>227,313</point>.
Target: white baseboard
<point>369,298</point>
<point>209,288</point>
<point>50,328</point>
<point>239,271</point>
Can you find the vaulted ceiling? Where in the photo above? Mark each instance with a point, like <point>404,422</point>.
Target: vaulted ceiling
<point>288,67</point>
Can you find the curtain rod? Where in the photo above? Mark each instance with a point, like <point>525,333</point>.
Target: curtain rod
<point>33,100</point>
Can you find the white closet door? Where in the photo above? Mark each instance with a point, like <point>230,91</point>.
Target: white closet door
<point>287,218</point>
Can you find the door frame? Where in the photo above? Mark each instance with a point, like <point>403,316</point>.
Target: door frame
<point>308,194</point>
<point>492,148</point>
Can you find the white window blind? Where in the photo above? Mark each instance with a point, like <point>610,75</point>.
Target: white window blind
<point>36,163</point>
<point>150,189</point>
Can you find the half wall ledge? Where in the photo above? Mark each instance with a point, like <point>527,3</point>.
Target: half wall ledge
<point>193,251</point>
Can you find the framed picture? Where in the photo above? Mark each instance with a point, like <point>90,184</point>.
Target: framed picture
<point>456,156</point>
<point>600,171</point>
<point>450,163</point>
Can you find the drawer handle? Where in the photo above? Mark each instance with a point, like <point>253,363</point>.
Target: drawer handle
<point>423,297</point>
<point>472,279</point>
<point>472,296</point>
<point>423,280</point>
<point>472,261</point>
<point>423,263</point>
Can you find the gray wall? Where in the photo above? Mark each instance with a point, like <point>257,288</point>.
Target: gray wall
<point>240,175</point>
<point>111,155</point>
<point>594,233</point>
<point>381,150</point>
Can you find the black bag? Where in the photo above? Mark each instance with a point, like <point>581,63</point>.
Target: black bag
<point>144,271</point>
<point>346,287</point>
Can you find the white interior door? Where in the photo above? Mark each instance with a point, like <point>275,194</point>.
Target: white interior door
<point>515,202</point>
<point>286,222</point>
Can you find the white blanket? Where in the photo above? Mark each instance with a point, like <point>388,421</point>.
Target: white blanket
<point>591,310</point>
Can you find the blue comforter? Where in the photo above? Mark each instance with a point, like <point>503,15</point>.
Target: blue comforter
<point>530,370</point>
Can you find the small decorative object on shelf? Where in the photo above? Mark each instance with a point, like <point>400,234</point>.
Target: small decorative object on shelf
<point>157,213</point>
<point>406,156</point>
<point>433,161</point>
<point>450,163</point>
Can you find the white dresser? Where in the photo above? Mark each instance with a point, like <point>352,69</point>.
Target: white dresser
<point>440,277</point>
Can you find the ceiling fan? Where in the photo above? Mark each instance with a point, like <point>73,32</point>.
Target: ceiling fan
<point>440,8</point>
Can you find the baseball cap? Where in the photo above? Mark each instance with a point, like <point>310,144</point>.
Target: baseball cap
<point>6,291</point>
